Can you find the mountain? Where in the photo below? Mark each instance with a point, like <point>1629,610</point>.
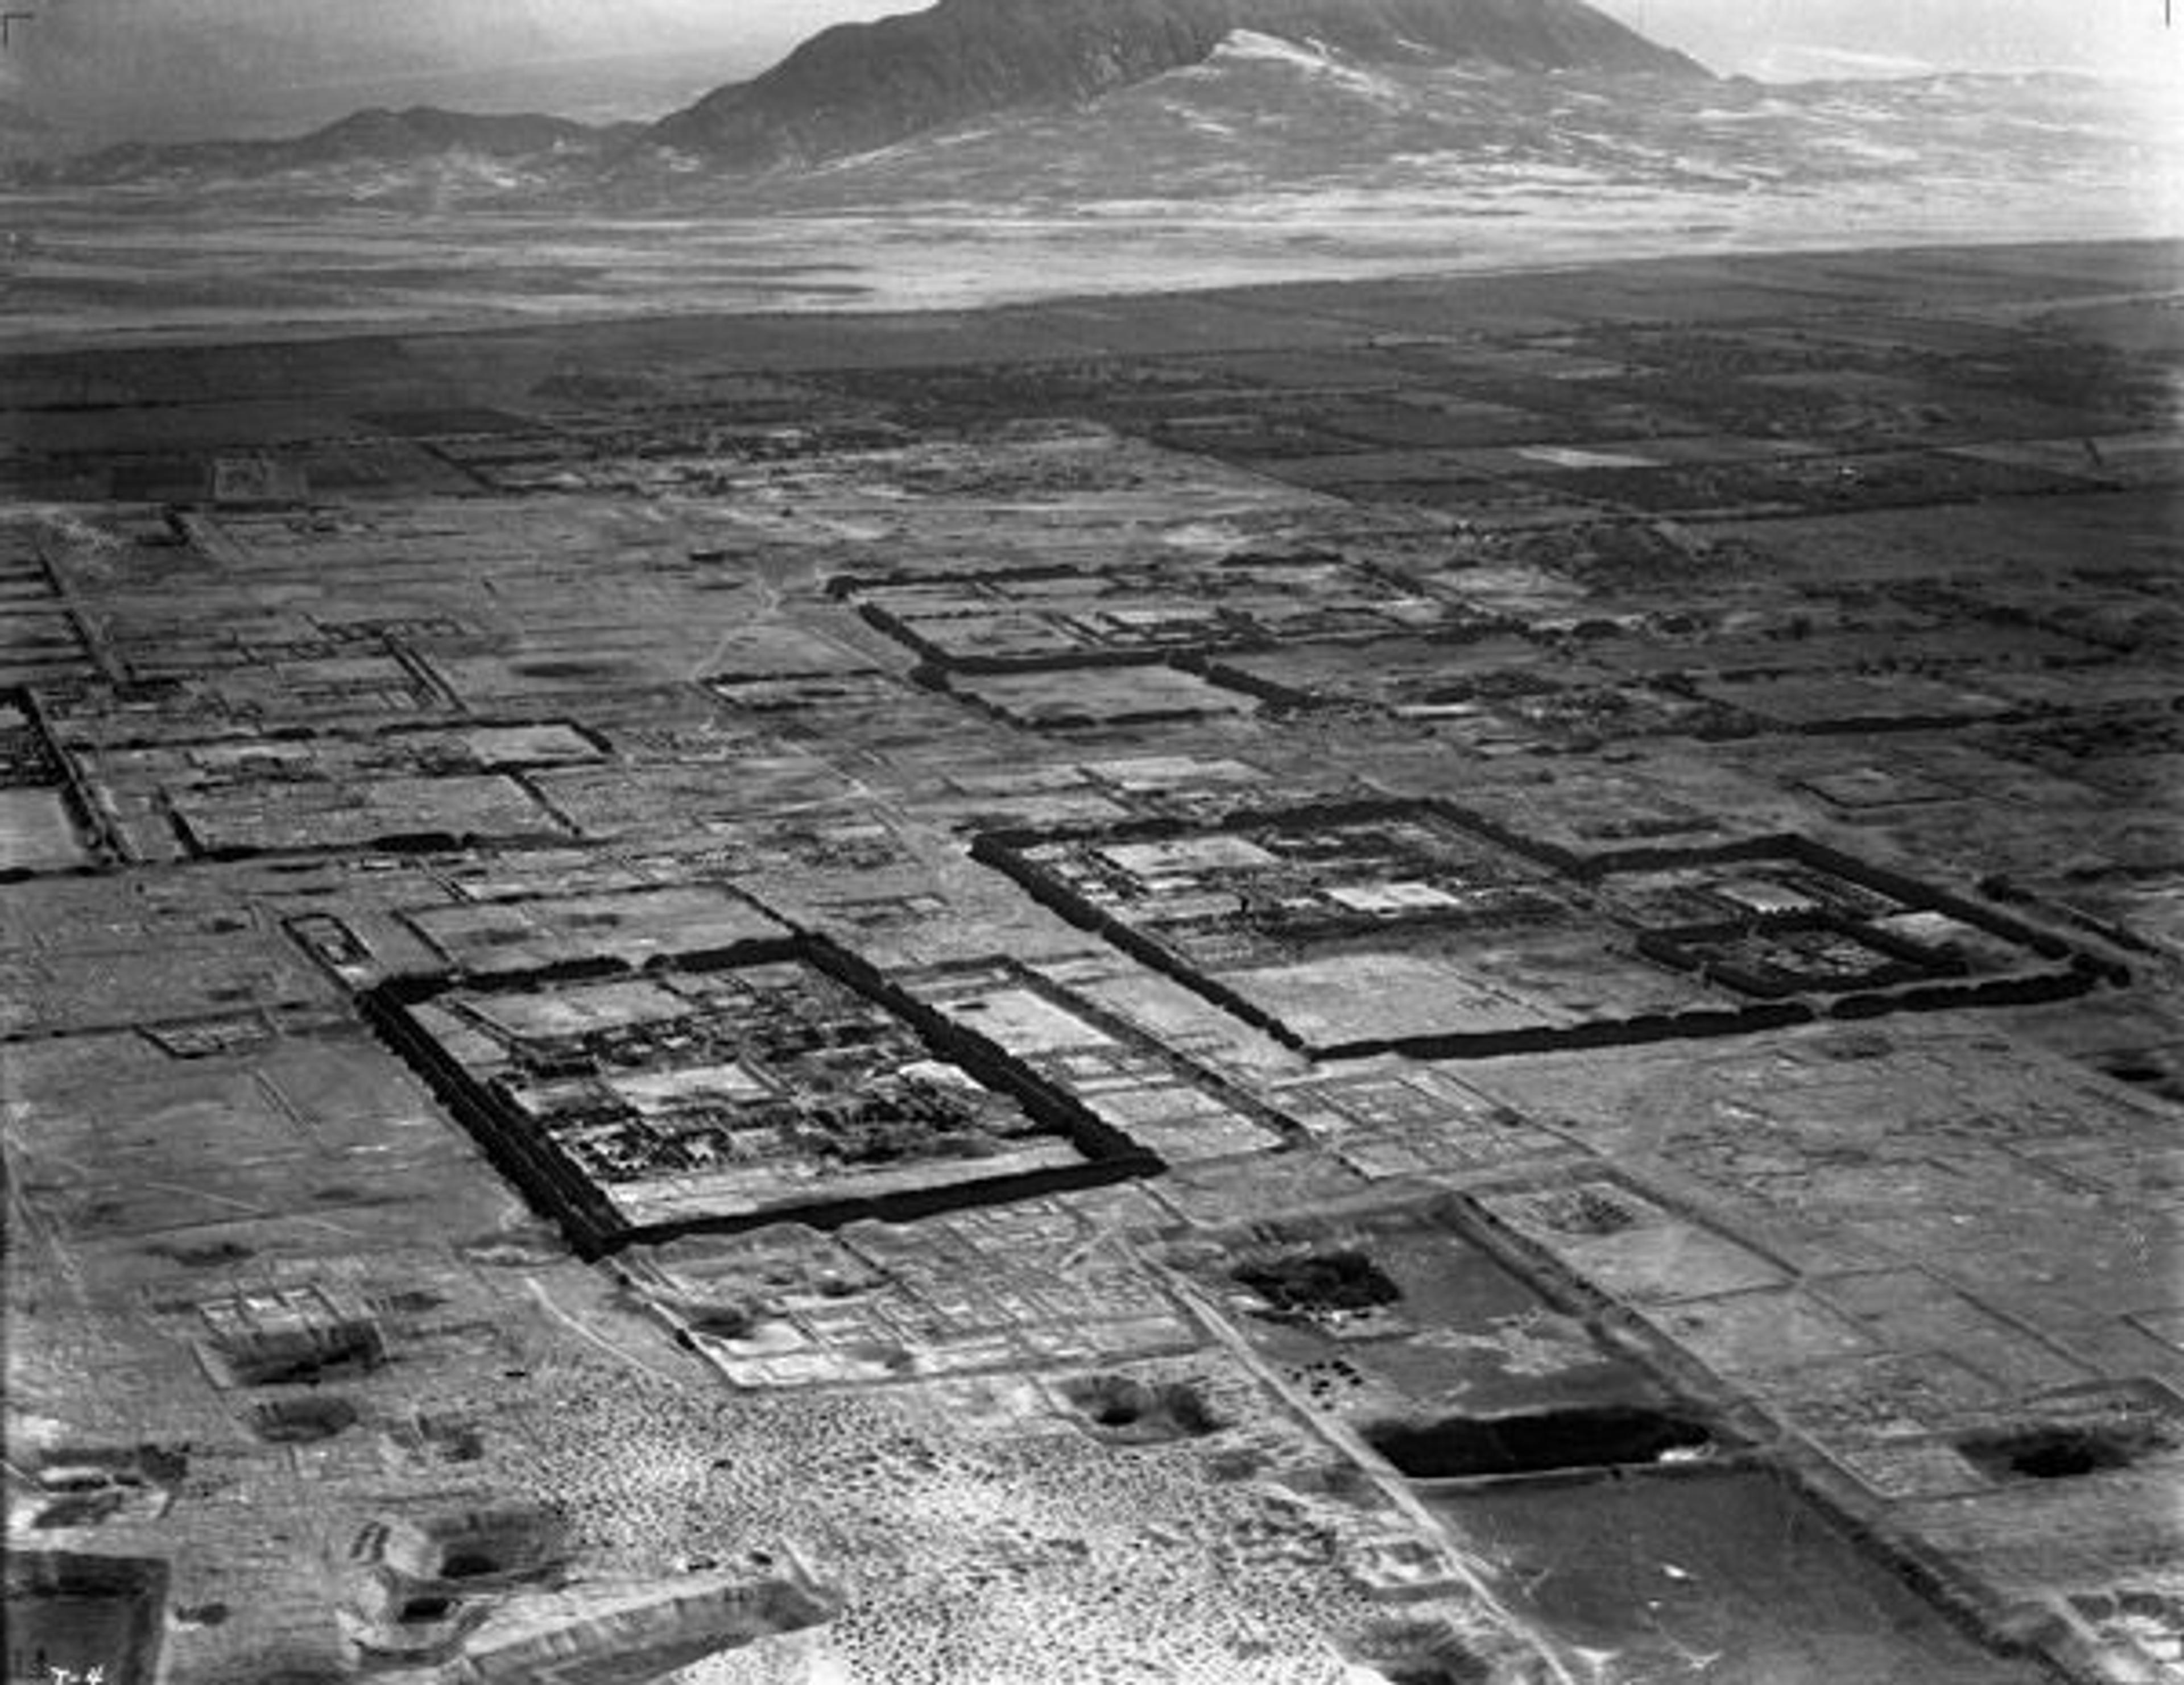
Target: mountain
<point>859,88</point>
<point>373,136</point>
<point>1283,132</point>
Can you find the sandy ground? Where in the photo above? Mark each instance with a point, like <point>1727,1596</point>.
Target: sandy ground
<point>91,279</point>
<point>1263,172</point>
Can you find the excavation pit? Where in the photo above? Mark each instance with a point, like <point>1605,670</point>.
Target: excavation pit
<point>76,1616</point>
<point>1462,1672</point>
<point>1551,1442</point>
<point>1122,1410</point>
<point>2061,1452</point>
<point>303,1422</point>
<point>1419,1653</point>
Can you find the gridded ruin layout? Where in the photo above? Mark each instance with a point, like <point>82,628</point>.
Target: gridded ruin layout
<point>1352,930</point>
<point>1468,980</point>
<point>781,1080</point>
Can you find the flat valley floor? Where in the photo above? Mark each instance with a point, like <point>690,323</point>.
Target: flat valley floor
<point>1442,980</point>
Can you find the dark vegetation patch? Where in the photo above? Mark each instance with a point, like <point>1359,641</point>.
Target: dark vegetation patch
<point>1457,1448</point>
<point>1316,1283</point>
<point>205,1257</point>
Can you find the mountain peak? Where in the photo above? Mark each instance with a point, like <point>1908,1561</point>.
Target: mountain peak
<point>861,86</point>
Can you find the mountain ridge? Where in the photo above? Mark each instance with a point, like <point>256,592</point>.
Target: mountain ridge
<point>860,88</point>
<point>857,87</point>
<point>374,134</point>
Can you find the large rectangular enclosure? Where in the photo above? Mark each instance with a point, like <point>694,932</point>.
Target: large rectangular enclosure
<point>1359,928</point>
<point>781,1080</point>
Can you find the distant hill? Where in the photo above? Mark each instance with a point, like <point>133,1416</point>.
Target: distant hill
<point>178,70</point>
<point>375,136</point>
<point>859,88</point>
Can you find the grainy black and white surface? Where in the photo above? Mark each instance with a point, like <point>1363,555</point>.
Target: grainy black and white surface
<point>1383,975</point>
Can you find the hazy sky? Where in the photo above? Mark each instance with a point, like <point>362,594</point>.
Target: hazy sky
<point>213,65</point>
<point>1757,36</point>
<point>1791,38</point>
<point>1784,36</point>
